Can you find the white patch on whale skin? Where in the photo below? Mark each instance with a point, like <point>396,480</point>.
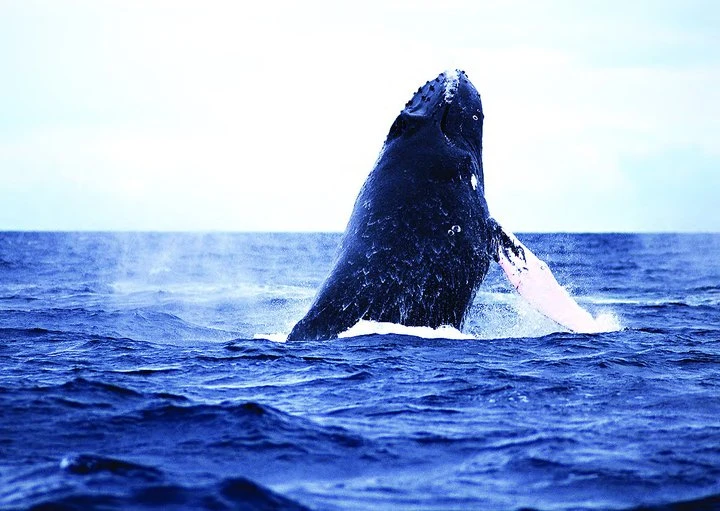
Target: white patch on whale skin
<point>364,327</point>
<point>452,80</point>
<point>473,182</point>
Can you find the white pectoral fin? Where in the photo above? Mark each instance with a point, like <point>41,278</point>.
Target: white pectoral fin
<point>532,278</point>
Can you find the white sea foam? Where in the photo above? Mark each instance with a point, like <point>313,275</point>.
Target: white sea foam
<point>515,318</point>
<point>507,315</point>
<point>607,322</point>
<point>276,337</point>
<point>364,327</point>
<point>604,300</point>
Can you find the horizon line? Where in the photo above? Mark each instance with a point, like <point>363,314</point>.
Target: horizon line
<point>274,231</point>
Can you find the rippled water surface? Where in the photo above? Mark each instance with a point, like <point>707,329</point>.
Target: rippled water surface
<point>134,375</point>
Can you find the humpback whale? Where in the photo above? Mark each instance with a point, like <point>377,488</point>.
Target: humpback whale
<point>420,238</point>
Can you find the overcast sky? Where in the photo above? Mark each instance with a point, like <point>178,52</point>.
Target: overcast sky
<point>599,115</point>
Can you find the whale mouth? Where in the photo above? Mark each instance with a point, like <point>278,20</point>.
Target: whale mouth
<point>444,118</point>
<point>451,83</point>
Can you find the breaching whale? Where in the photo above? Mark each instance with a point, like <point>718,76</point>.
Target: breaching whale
<point>420,238</point>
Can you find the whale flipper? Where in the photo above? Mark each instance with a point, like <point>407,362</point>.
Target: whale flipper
<point>534,281</point>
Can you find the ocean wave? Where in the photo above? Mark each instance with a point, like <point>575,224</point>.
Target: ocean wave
<point>709,503</point>
<point>101,322</point>
<point>247,426</point>
<point>129,485</point>
<point>32,332</point>
<point>148,371</point>
<point>158,396</point>
<point>85,393</point>
<point>85,386</point>
<point>85,464</point>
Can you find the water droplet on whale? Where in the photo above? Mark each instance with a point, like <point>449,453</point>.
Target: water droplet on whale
<point>454,230</point>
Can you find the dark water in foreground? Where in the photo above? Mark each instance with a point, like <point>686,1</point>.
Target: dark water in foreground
<point>130,379</point>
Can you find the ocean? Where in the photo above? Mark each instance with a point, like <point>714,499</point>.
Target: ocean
<point>146,371</point>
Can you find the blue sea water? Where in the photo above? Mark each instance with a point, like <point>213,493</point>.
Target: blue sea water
<point>134,375</point>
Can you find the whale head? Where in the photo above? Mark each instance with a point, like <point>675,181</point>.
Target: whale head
<point>445,117</point>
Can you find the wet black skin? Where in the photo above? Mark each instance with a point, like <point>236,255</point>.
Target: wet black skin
<point>418,243</point>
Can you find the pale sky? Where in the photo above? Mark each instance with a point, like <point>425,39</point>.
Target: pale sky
<point>235,116</point>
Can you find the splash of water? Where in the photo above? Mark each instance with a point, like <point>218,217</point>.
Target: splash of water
<point>364,327</point>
